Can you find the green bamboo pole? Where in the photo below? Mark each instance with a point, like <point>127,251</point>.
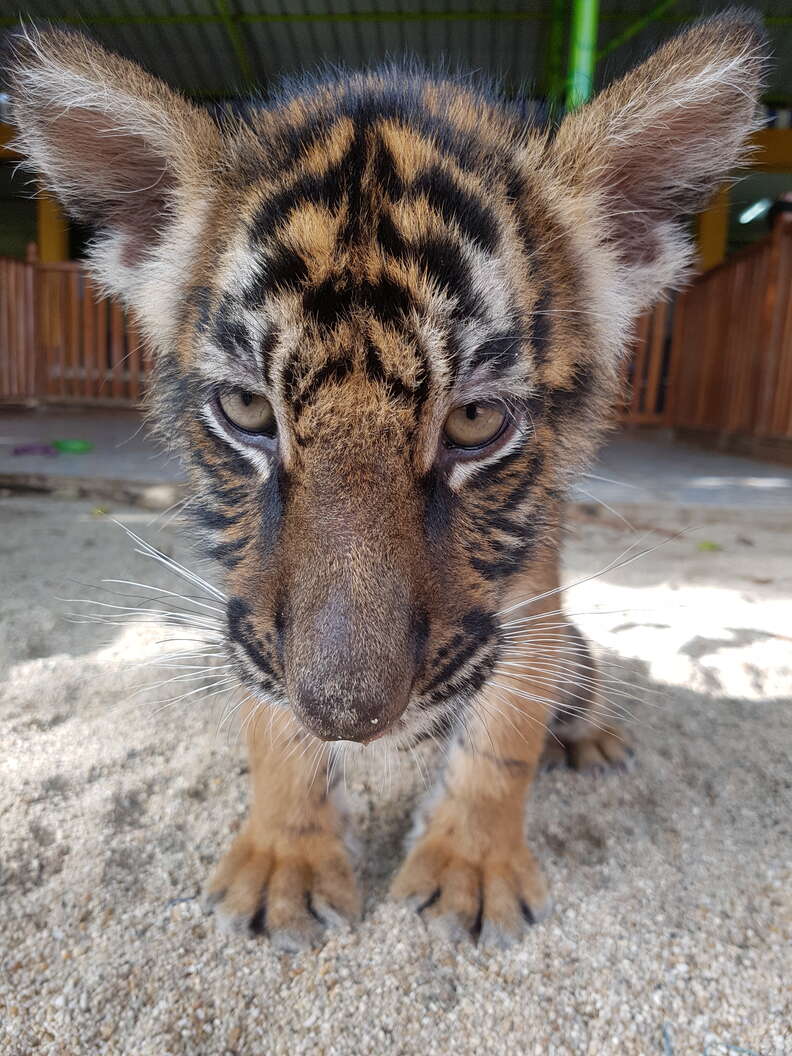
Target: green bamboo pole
<point>554,69</point>
<point>582,51</point>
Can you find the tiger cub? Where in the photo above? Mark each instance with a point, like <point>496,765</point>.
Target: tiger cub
<point>388,317</point>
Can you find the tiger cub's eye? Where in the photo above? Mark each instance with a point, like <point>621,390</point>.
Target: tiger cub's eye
<point>474,424</point>
<point>248,411</point>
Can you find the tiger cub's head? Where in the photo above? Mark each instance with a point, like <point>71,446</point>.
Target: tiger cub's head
<point>387,317</point>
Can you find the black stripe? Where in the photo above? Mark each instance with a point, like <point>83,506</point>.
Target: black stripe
<point>325,188</point>
<point>440,257</point>
<point>375,371</point>
<point>228,333</point>
<point>334,300</point>
<point>284,269</point>
<point>386,176</point>
<point>266,348</point>
<point>470,682</point>
<point>541,325</point>
<point>240,629</point>
<point>233,495</point>
<point>564,402</point>
<point>332,372</point>
<point>390,238</point>
<point>229,460</point>
<point>500,353</point>
<point>215,518</point>
<point>454,204</point>
<point>228,553</point>
<point>479,625</point>
<point>440,503</point>
<point>509,563</point>
<point>516,190</point>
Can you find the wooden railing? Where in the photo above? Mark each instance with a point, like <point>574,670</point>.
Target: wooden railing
<point>718,359</point>
<point>17,330</point>
<point>647,370</point>
<point>733,344</point>
<point>62,341</point>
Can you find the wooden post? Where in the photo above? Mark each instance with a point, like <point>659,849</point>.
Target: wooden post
<point>53,230</point>
<point>713,231</point>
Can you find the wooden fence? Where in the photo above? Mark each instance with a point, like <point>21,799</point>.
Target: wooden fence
<point>61,341</point>
<point>717,360</point>
<point>17,330</point>
<point>733,344</point>
<point>647,370</point>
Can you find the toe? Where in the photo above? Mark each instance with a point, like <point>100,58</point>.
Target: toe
<point>334,894</point>
<point>236,905</point>
<point>454,913</point>
<point>419,877</point>
<point>553,756</point>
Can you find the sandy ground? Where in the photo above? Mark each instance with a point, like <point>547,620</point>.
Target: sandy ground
<point>672,884</point>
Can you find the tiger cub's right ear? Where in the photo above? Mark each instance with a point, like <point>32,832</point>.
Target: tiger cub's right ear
<point>656,144</point>
<point>115,145</point>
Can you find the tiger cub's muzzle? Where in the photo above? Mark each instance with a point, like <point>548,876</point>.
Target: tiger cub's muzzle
<point>351,660</point>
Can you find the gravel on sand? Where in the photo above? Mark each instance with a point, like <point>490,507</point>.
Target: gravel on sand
<point>672,884</point>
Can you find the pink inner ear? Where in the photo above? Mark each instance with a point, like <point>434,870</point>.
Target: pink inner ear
<point>668,171</point>
<point>113,177</point>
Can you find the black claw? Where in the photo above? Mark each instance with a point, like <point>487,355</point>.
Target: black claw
<point>435,895</point>
<point>312,910</point>
<point>526,912</point>
<point>258,925</point>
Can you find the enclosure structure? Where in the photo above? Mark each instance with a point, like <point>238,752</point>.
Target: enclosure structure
<point>714,363</point>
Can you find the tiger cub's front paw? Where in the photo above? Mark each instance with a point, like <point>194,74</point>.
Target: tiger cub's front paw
<point>291,886</point>
<point>468,879</point>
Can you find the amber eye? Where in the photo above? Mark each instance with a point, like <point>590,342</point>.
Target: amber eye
<point>475,424</point>
<point>248,411</point>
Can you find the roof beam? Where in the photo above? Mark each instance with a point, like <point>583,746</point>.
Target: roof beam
<point>230,21</point>
<point>635,27</point>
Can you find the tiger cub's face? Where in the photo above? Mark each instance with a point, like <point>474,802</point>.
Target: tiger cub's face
<point>387,318</point>
<point>388,377</point>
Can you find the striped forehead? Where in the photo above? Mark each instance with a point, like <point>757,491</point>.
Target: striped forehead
<point>376,232</point>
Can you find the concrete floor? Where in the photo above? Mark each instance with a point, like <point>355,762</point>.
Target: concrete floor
<point>650,466</point>
<point>634,468</point>
<point>121,449</point>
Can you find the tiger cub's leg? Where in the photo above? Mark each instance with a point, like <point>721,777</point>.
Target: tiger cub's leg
<point>583,734</point>
<point>287,872</point>
<point>470,867</point>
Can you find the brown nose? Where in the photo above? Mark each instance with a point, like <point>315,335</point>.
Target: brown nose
<point>350,674</point>
<point>345,718</point>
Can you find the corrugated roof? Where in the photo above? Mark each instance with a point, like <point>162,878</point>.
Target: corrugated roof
<point>220,48</point>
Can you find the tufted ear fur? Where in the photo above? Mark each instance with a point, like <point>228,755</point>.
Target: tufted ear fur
<point>118,148</point>
<point>656,144</point>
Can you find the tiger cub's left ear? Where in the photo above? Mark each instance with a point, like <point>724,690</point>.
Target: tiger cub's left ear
<point>654,146</point>
<point>115,145</point>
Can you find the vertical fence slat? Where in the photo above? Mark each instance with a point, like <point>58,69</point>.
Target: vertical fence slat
<point>31,381</point>
<point>134,353</point>
<point>655,364</point>
<point>120,390</point>
<point>100,350</point>
<point>77,365</point>
<point>88,338</point>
